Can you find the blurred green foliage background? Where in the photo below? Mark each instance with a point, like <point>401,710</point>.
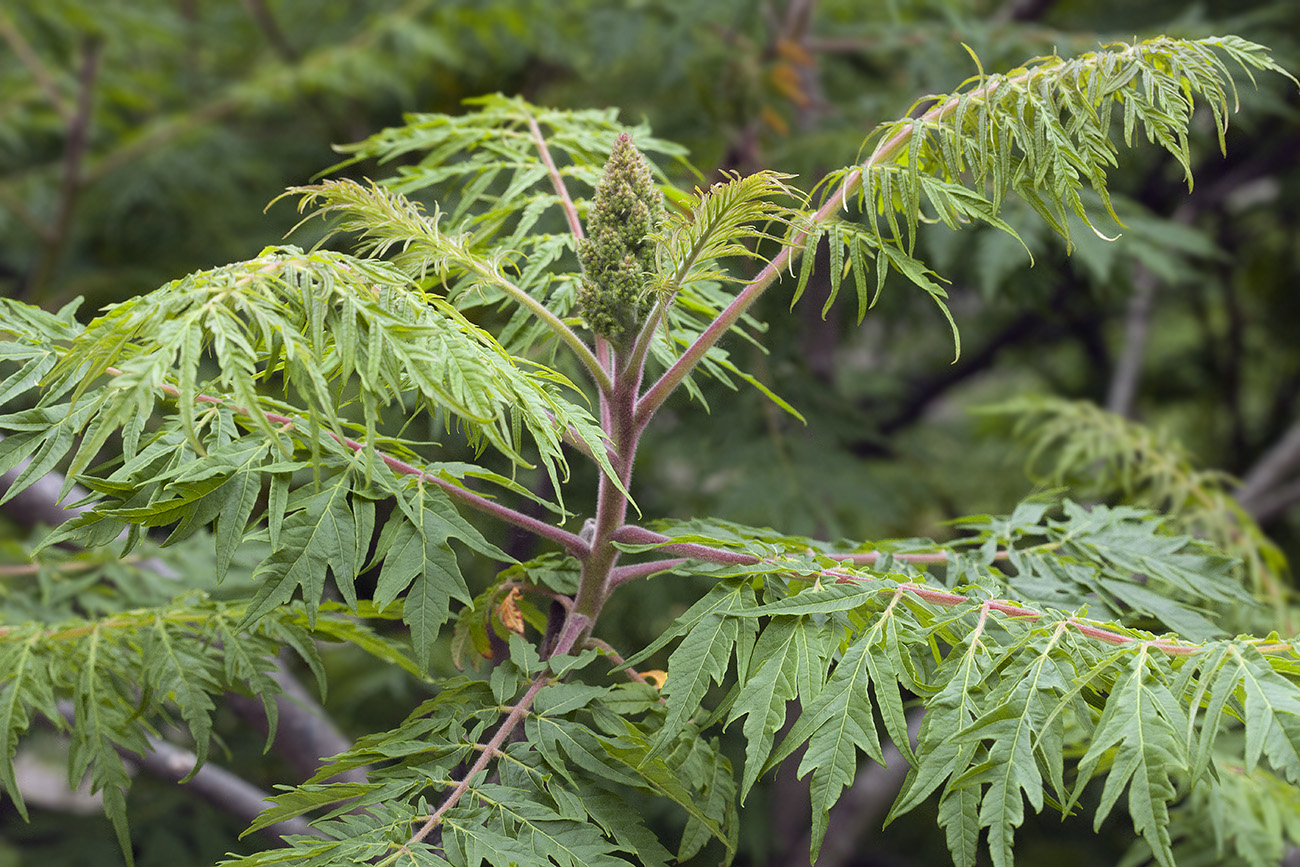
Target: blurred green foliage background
<point>142,139</point>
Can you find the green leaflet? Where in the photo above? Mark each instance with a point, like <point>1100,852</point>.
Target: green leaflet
<point>704,653</point>
<point>790,653</point>
<point>1143,722</point>
<point>1253,816</point>
<point>320,535</point>
<point>416,556</point>
<point>543,835</point>
<point>1272,714</point>
<point>318,320</point>
<point>953,708</point>
<point>1020,723</point>
<point>838,721</point>
<point>1124,559</point>
<point>632,749</point>
<point>24,686</point>
<point>1072,440</point>
<point>304,799</point>
<point>613,814</point>
<point>175,667</point>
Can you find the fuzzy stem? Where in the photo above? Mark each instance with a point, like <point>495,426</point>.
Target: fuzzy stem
<point>633,535</point>
<point>623,574</point>
<point>598,364</point>
<point>611,502</point>
<point>948,599</point>
<point>486,755</point>
<point>566,334</point>
<point>557,181</point>
<point>619,662</point>
<point>681,368</point>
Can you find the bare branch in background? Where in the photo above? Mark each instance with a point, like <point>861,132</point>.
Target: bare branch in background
<point>39,504</point>
<point>271,29</point>
<point>1122,393</point>
<point>45,79</point>
<point>74,156</point>
<point>304,733</point>
<point>1266,489</point>
<point>1021,10</point>
<point>1137,323</point>
<point>226,791</point>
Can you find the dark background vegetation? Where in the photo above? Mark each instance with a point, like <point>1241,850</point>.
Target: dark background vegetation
<point>142,139</point>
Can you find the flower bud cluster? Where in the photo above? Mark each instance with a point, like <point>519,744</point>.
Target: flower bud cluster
<point>618,254</point>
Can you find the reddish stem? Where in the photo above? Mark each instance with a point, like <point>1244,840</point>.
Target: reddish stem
<point>571,542</point>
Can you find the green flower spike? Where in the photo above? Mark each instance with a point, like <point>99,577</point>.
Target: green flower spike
<point>618,255</point>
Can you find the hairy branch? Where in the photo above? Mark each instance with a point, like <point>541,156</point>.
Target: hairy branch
<point>570,211</point>
<point>598,371</point>
<point>789,254</point>
<point>617,659</point>
<point>721,556</point>
<point>569,541</point>
<point>623,574</point>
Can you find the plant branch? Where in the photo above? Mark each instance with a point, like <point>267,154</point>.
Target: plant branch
<point>887,149</point>
<point>641,347</point>
<point>1273,502</point>
<point>621,575</point>
<point>617,658</point>
<point>221,788</point>
<point>305,736</point>
<point>570,210</point>
<point>1270,470</point>
<point>571,542</point>
<point>721,556</point>
<point>271,30</point>
<point>1123,388</point>
<point>574,625</point>
<point>633,535</point>
<point>566,334</point>
<point>485,756</point>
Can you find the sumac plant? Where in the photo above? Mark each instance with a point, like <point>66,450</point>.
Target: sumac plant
<point>530,281</point>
